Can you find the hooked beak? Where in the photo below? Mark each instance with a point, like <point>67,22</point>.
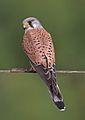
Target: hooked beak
<point>26,25</point>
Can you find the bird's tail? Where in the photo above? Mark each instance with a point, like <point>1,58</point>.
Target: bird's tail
<point>49,77</point>
<point>56,96</point>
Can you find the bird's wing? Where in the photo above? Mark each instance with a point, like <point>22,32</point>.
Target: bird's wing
<point>49,77</point>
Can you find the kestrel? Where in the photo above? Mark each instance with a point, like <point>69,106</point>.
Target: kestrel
<point>38,46</point>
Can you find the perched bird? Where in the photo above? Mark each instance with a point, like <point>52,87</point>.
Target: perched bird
<point>38,46</point>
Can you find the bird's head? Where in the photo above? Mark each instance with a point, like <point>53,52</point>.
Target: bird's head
<point>31,23</point>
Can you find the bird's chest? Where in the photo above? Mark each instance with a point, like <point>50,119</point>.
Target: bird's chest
<point>38,46</point>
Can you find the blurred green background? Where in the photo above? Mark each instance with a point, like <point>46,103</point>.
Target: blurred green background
<point>25,96</point>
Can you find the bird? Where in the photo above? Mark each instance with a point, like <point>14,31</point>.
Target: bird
<point>38,46</point>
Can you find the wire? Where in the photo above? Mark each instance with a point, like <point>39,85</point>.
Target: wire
<point>25,70</point>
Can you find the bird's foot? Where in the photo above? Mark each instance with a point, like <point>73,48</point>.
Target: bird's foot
<point>32,70</point>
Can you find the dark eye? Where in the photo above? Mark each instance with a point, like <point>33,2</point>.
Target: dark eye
<point>30,22</point>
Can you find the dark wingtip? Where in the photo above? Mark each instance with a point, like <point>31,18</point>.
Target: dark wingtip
<point>60,105</point>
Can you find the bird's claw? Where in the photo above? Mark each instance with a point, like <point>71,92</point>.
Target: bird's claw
<point>32,70</point>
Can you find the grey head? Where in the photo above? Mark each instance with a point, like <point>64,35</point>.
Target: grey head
<point>31,23</point>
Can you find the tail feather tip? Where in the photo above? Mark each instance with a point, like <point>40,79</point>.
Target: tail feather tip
<point>60,105</point>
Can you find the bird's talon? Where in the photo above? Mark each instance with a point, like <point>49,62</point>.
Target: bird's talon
<point>32,70</point>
